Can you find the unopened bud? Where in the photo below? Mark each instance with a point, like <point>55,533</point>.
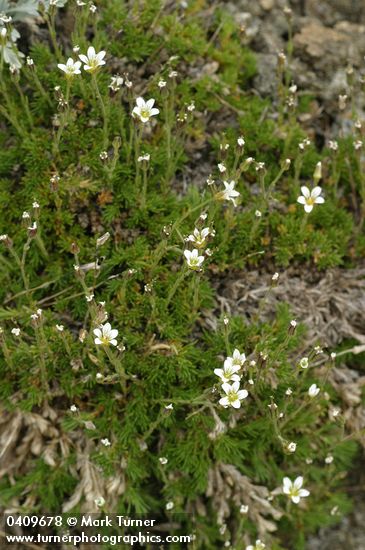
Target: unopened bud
<point>32,230</point>
<point>75,249</point>
<point>6,240</point>
<point>317,172</point>
<point>286,164</point>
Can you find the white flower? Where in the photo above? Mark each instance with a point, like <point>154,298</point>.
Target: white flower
<point>304,362</point>
<point>229,193</point>
<point>71,68</point>
<point>169,407</point>
<point>243,509</point>
<point>289,391</point>
<point>73,408</point>
<point>328,459</point>
<point>240,141</point>
<point>105,442</point>
<point>237,358</point>
<point>227,374</point>
<point>357,144</point>
<point>275,277</point>
<point>105,335</point>
<point>233,395</point>
<point>100,501</point>
<point>161,83</point>
<point>92,61</point>
<point>89,297</point>
<point>169,505</point>
<point>60,328</point>
<point>313,390</point>
<point>221,168</point>
<point>310,198</point>
<point>163,460</point>
<point>294,489</point>
<point>292,447</point>
<point>199,236</point>
<point>258,213</point>
<point>99,242</point>
<point>258,546</point>
<point>116,82</point>
<point>305,143</point>
<point>15,331</point>
<point>193,259</point>
<point>144,110</point>
<point>333,145</point>
<point>144,158</point>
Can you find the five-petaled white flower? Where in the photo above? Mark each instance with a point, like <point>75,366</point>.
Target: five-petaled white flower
<point>230,193</point>
<point>233,395</point>
<point>71,68</point>
<point>237,358</point>
<point>310,198</point>
<point>199,237</point>
<point>193,259</point>
<point>92,61</point>
<point>294,489</point>
<point>228,373</point>
<point>144,110</point>
<point>313,390</point>
<point>105,335</point>
<point>258,546</point>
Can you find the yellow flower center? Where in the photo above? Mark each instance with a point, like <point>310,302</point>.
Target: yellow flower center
<point>232,396</point>
<point>145,113</point>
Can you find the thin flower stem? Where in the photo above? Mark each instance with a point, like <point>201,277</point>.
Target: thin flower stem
<point>176,285</point>
<point>144,188</point>
<point>24,102</point>
<point>118,367</point>
<point>65,119</point>
<point>40,87</point>
<point>103,109</point>
<point>50,20</point>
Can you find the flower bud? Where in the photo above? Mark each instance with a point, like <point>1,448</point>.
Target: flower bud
<point>75,249</point>
<point>317,172</point>
<point>32,230</point>
<point>6,240</point>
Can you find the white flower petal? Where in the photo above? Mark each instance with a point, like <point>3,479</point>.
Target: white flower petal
<point>298,482</point>
<point>316,191</point>
<point>305,192</point>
